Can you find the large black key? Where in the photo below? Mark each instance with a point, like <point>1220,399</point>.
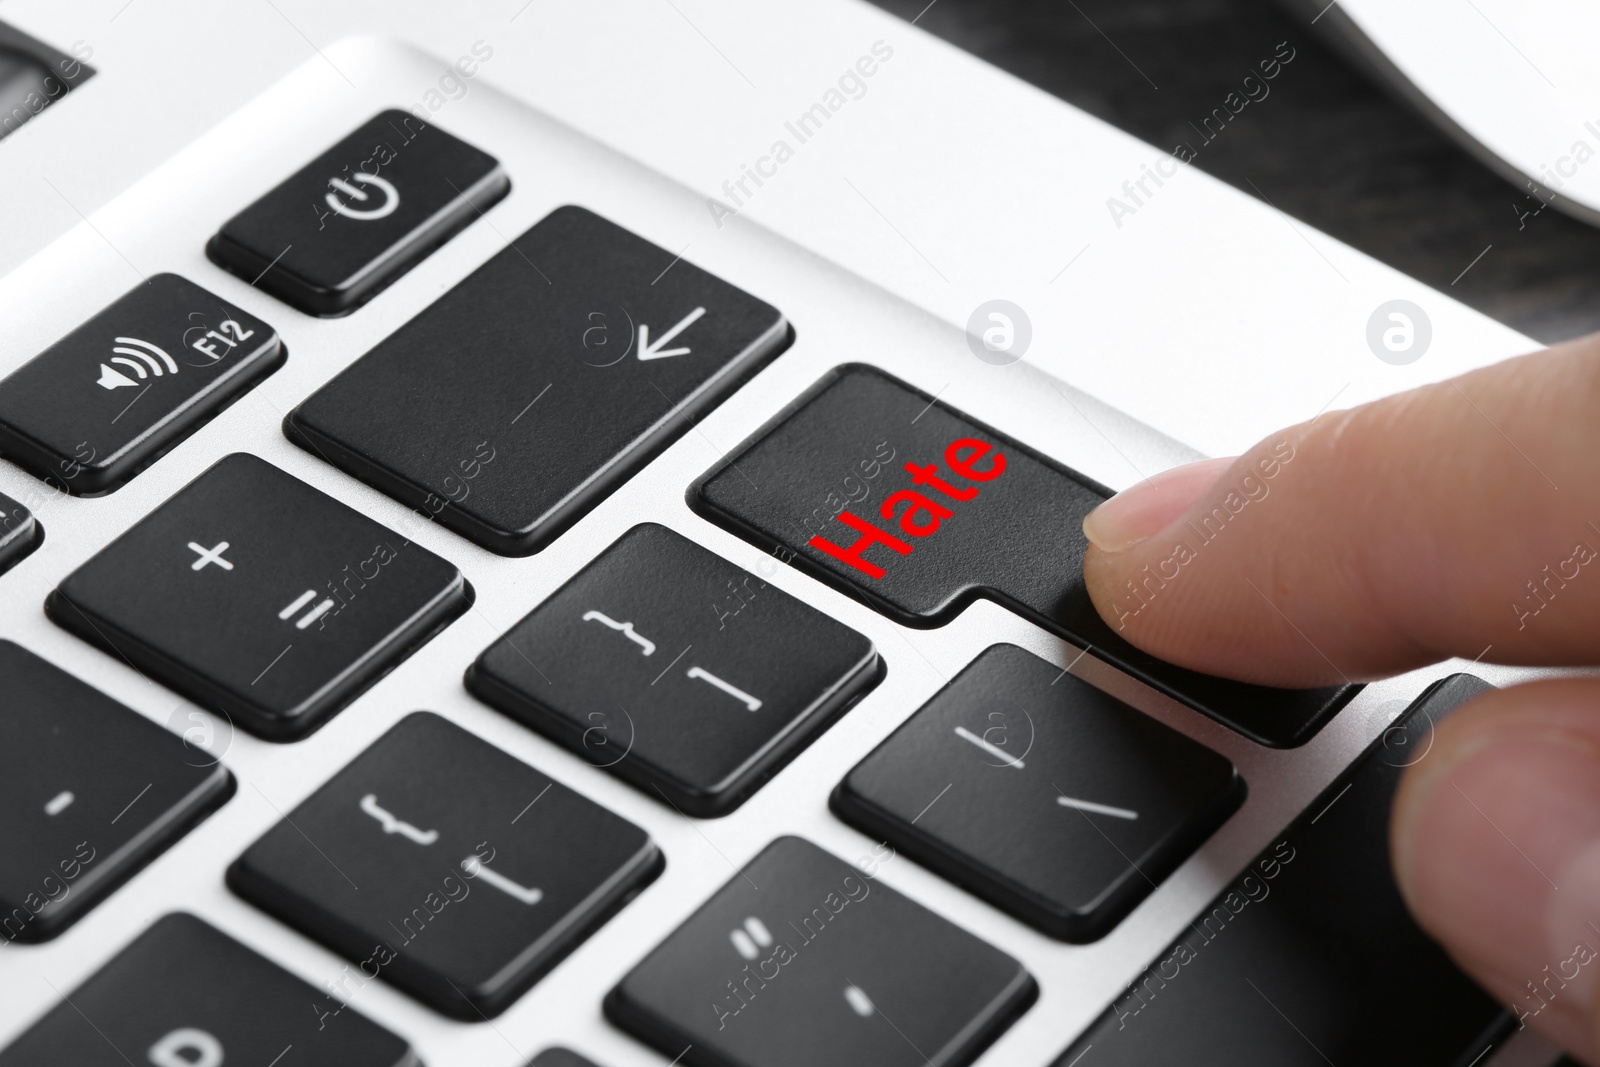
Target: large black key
<point>20,533</point>
<point>116,394</point>
<point>1298,962</point>
<point>801,959</point>
<point>183,994</point>
<point>942,510</point>
<point>677,671</point>
<point>255,595</point>
<point>1044,795</point>
<point>453,870</point>
<point>90,790</point>
<point>346,225</point>
<point>574,356</point>
<point>559,1057</point>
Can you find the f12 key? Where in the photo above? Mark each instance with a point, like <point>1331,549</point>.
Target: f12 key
<point>113,396</point>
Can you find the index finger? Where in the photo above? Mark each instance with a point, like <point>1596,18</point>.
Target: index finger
<point>1458,519</point>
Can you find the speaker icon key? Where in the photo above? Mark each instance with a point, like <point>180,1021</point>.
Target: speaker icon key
<point>118,392</point>
<point>136,355</point>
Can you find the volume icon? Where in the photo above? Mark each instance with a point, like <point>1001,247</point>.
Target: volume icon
<point>144,359</point>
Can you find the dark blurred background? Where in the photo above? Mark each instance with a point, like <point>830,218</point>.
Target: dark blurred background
<point>1326,146</point>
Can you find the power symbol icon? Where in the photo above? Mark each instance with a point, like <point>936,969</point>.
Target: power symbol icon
<point>391,196</point>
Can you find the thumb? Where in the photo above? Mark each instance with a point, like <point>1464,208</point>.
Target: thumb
<point>1458,519</point>
<point>1496,845</point>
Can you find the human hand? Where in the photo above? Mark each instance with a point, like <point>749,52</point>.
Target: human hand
<point>1458,519</point>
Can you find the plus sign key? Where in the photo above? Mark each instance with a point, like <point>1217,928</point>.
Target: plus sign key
<point>259,597</point>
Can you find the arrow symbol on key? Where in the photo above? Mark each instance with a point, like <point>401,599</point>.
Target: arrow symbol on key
<point>649,350</point>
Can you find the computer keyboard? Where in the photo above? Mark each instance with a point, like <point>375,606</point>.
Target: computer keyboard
<point>458,837</point>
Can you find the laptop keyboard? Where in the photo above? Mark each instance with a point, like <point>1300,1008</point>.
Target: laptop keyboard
<point>1067,785</point>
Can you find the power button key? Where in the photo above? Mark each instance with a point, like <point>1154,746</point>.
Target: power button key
<point>341,229</point>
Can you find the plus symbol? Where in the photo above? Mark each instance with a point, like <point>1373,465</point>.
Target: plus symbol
<point>210,555</point>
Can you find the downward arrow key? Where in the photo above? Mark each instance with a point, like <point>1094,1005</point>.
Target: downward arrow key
<point>656,349</point>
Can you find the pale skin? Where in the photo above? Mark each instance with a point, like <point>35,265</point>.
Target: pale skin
<point>1436,523</point>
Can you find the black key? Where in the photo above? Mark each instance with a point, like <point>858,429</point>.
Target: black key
<point>183,994</point>
<point>803,959</point>
<point>20,533</point>
<point>1297,963</point>
<point>942,510</point>
<point>91,791</point>
<point>449,868</point>
<point>1040,793</point>
<point>257,596</point>
<point>119,392</point>
<point>575,356</point>
<point>346,225</point>
<point>677,671</point>
<point>559,1057</point>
